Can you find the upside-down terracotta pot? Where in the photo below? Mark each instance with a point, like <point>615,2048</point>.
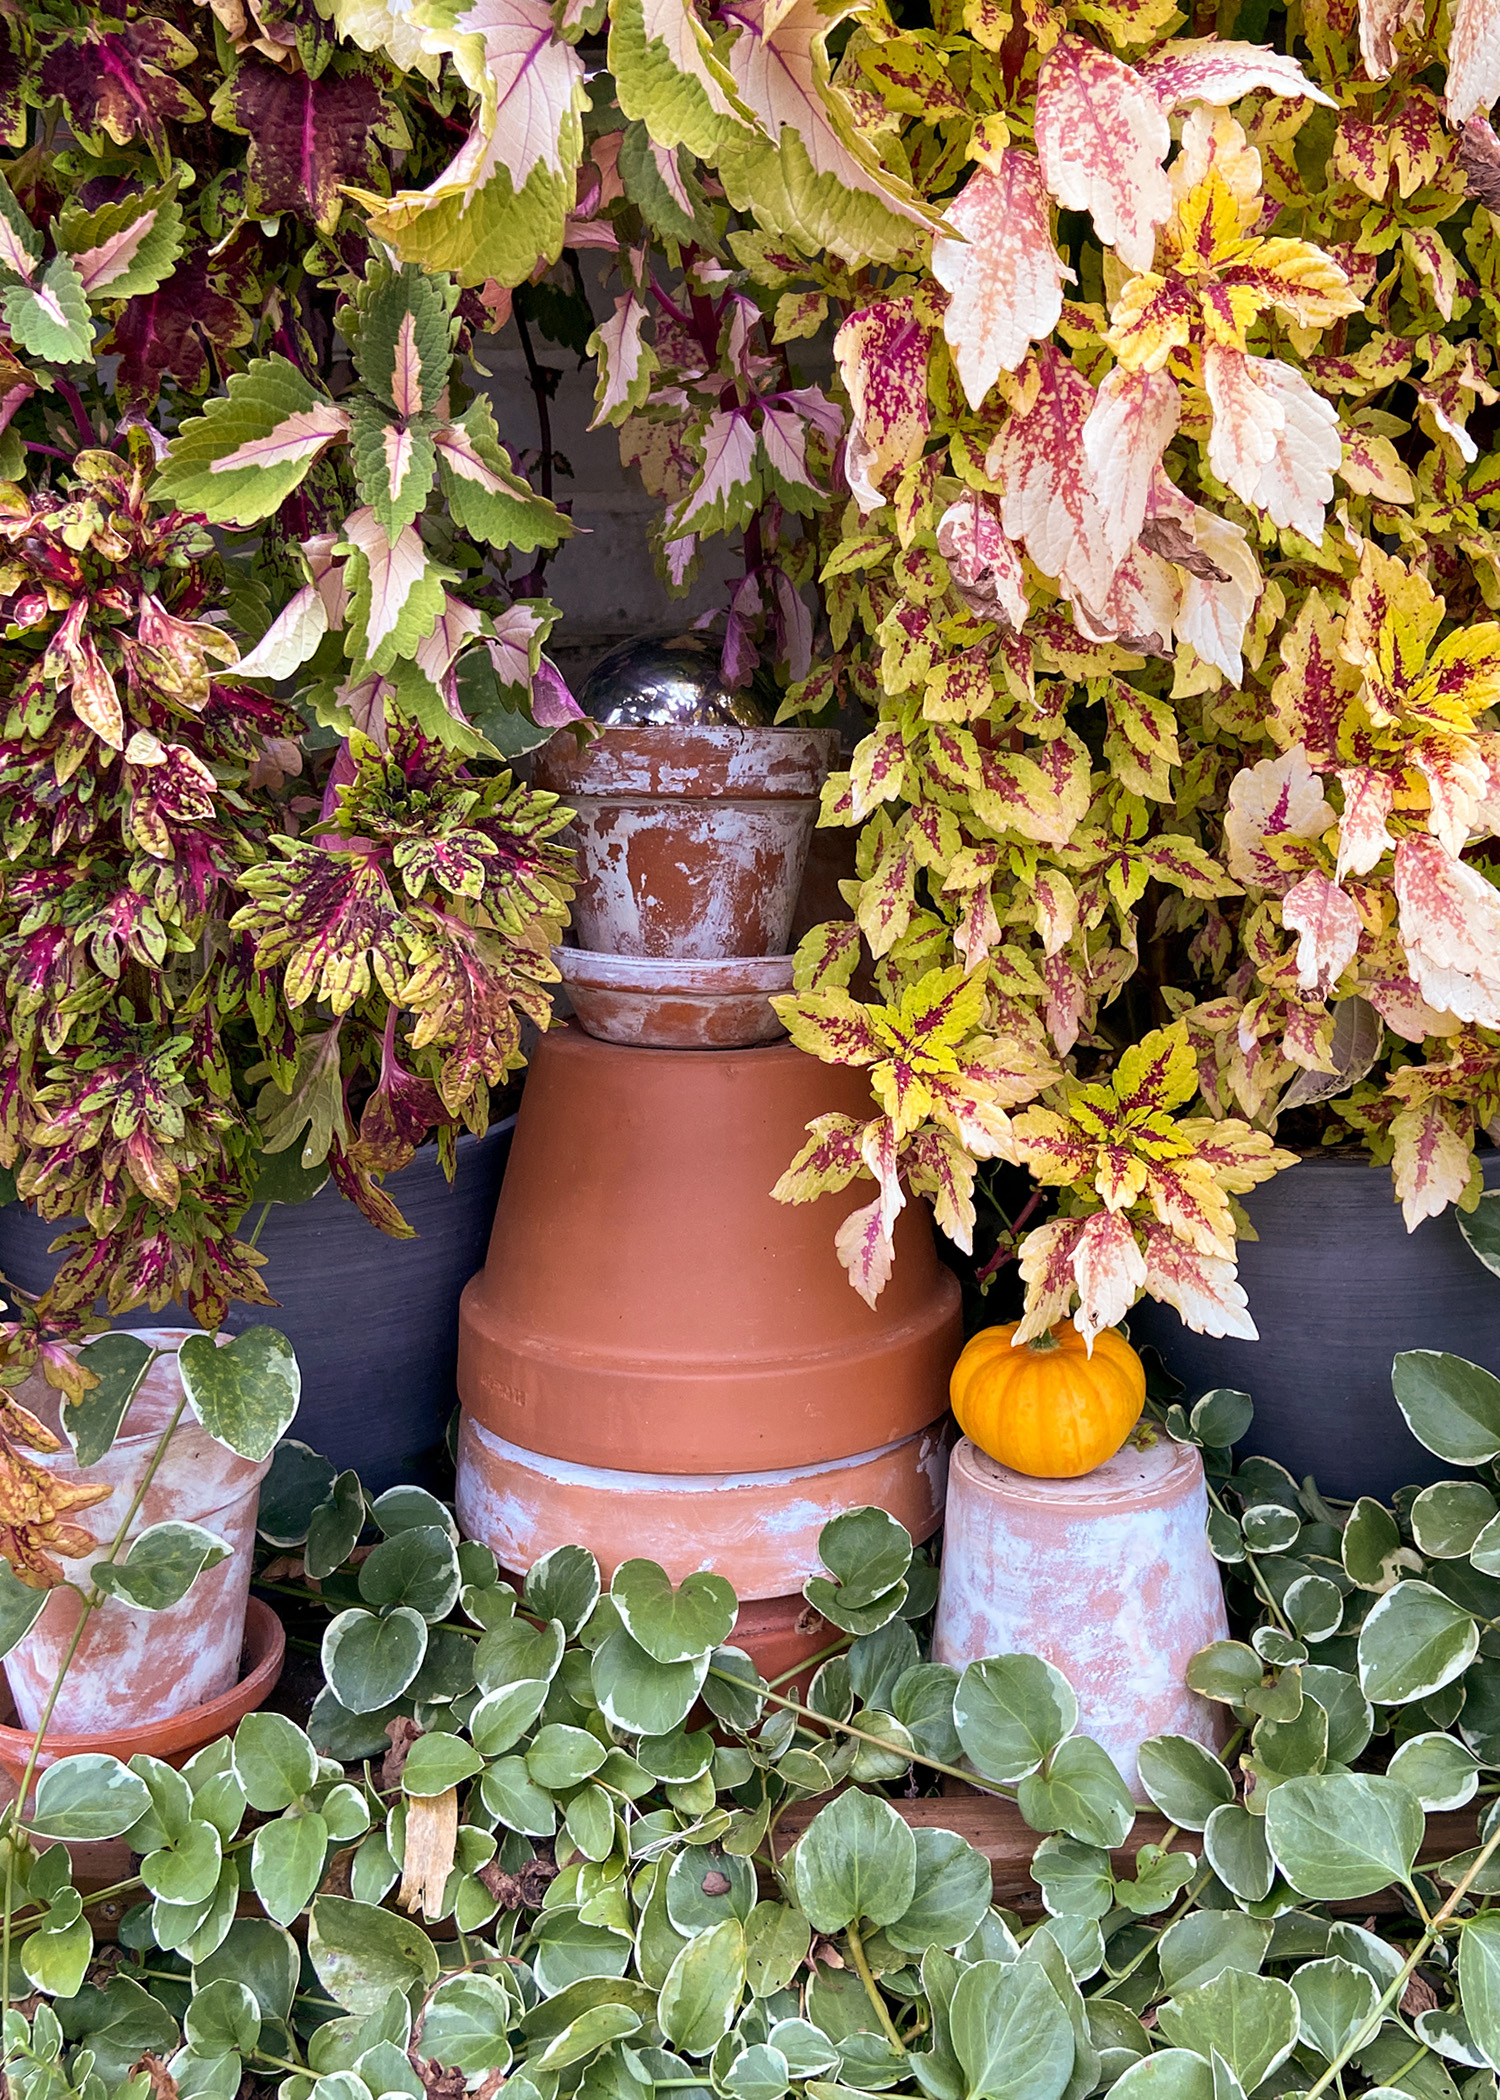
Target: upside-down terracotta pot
<point>1108,1577</point>
<point>134,1667</point>
<point>647,1307</point>
<point>691,841</point>
<point>672,1005</point>
<point>757,1529</point>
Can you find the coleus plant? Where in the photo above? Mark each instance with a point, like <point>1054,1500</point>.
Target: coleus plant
<point>187,987</point>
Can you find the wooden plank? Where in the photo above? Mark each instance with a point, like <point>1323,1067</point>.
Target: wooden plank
<point>998,1830</point>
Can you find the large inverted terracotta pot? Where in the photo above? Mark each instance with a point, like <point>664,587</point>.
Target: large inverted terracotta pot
<point>759,1530</point>
<point>1337,1285</point>
<point>1108,1577</point>
<point>646,1306</point>
<point>135,1667</point>
<point>690,841</point>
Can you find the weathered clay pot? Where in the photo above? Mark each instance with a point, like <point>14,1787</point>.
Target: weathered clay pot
<point>759,1530</point>
<point>135,1667</point>
<point>174,1741</point>
<point>1108,1577</point>
<point>1337,1286</point>
<point>372,1319</point>
<point>691,841</point>
<point>671,1005</point>
<point>646,1305</point>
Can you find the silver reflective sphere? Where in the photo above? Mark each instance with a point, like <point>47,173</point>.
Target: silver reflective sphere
<point>672,684</point>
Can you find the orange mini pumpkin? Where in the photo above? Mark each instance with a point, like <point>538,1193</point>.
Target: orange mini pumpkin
<point>1048,1408</point>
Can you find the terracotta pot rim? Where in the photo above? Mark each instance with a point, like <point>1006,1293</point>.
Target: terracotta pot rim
<point>1075,1494</point>
<point>673,766</point>
<point>571,1473</point>
<point>181,1734</point>
<point>730,976</point>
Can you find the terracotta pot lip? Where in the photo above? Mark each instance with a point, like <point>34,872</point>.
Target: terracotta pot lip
<point>686,765</point>
<point>567,1473</point>
<point>1182,1472</point>
<point>575,1038</point>
<point>665,974</point>
<point>265,1639</point>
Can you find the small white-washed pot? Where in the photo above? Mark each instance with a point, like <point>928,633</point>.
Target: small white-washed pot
<point>135,1666</point>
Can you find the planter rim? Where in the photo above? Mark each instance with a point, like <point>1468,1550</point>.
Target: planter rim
<point>265,1645</point>
<point>1153,1478</point>
<point>648,973</point>
<point>690,765</point>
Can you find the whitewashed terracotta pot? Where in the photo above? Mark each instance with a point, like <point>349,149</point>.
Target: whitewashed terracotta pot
<point>1108,1577</point>
<point>134,1666</point>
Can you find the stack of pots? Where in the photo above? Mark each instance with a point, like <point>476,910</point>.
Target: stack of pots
<point>658,1360</point>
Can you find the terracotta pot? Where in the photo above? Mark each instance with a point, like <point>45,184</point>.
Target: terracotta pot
<point>757,1529</point>
<point>782,1634</point>
<point>647,1306</point>
<point>691,842</point>
<point>134,1667</point>
<point>1337,1286</point>
<point>373,1320</point>
<point>671,1005</point>
<point>1108,1577</point>
<point>177,1739</point>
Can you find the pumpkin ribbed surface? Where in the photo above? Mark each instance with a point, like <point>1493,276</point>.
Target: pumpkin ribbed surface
<point>1048,1408</point>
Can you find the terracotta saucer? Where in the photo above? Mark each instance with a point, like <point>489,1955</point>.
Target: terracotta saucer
<point>676,1003</point>
<point>177,1739</point>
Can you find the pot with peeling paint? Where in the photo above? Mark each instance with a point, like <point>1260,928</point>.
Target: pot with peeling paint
<point>135,1667</point>
<point>1108,1577</point>
<point>691,840</point>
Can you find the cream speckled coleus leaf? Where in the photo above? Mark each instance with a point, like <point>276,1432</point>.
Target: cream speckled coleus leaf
<point>1432,1158</point>
<point>984,565</point>
<point>241,459</point>
<point>1381,22</point>
<point>1324,917</point>
<point>127,248</point>
<point>1047,495</point>
<point>1202,1289</point>
<point>1133,419</point>
<point>1101,137</point>
<point>669,76</point>
<point>500,205</point>
<point>812,178</point>
<point>1449,917</point>
<point>1206,69</point>
<point>882,353</point>
<point>1473,59</point>
<point>1004,278</point>
<point>1274,442</point>
<point>291,638</point>
<point>1278,798</point>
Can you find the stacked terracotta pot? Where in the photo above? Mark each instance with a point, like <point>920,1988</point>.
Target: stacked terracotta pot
<point>658,1360</point>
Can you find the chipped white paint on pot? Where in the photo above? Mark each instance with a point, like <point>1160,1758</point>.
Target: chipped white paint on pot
<point>672,1005</point>
<point>758,1530</point>
<point>135,1666</point>
<point>691,842</point>
<point>1109,1577</point>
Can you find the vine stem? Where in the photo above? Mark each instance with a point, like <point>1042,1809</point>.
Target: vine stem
<point>872,1991</point>
<point>1394,1990</point>
<point>90,1605</point>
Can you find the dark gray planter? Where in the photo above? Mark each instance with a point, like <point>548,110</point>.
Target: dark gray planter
<point>1337,1287</point>
<point>374,1321</point>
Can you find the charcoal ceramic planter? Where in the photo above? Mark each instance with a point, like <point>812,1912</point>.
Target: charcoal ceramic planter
<point>1337,1286</point>
<point>374,1321</point>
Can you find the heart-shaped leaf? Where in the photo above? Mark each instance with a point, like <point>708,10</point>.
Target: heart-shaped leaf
<point>334,1527</point>
<point>20,1607</point>
<point>286,1864</point>
<point>161,1566</point>
<point>120,1363</point>
<point>369,1661</point>
<point>673,1625</point>
<point>299,1482</point>
<point>244,1392</point>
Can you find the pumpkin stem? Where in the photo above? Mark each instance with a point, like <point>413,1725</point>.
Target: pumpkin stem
<point>1043,1344</point>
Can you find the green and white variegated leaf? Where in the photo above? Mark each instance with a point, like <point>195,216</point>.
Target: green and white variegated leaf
<point>20,243</point>
<point>486,497</point>
<point>241,459</point>
<point>726,490</point>
<point>812,178</point>
<point>669,76</point>
<point>51,318</point>
<point>502,202</point>
<point>404,348</point>
<point>657,181</point>
<point>125,248</point>
<point>625,362</point>
<point>376,26</point>
<point>395,463</point>
<point>396,590</point>
<point>291,638</point>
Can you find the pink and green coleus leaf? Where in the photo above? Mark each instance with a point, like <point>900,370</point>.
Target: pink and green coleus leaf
<point>668,75</point>
<point>50,319</point>
<point>395,462</point>
<point>396,590</point>
<point>484,493</point>
<point>403,351</point>
<point>1004,278</point>
<point>20,242</point>
<point>810,177</point>
<point>125,248</point>
<point>502,203</point>
<point>241,459</point>
<point>626,364</point>
<point>726,490</point>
